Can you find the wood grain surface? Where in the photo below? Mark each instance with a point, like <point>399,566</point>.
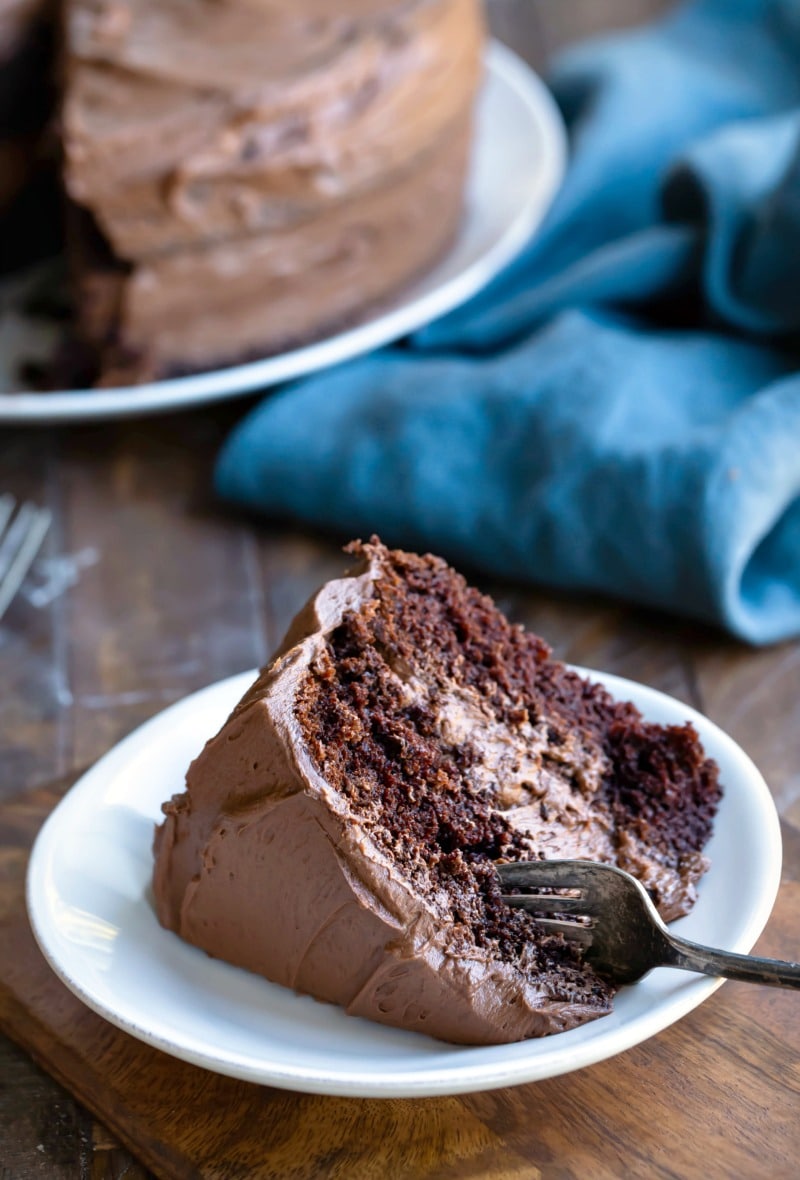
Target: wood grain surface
<point>147,589</point>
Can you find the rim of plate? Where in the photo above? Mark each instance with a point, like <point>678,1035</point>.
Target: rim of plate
<point>472,1069</point>
<point>410,312</point>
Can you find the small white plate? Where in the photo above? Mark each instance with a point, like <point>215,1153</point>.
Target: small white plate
<point>518,162</point>
<point>91,910</point>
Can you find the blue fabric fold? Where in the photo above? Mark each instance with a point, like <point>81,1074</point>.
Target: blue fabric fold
<point>620,410</point>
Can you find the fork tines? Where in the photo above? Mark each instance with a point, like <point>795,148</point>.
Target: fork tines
<point>550,875</point>
<point>21,538</point>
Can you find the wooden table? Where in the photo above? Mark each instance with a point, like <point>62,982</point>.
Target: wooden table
<point>148,590</point>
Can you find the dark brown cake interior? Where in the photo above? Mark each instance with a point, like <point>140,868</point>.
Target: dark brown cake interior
<point>414,791</point>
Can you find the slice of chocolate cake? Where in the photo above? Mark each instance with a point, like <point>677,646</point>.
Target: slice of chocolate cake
<point>338,834</point>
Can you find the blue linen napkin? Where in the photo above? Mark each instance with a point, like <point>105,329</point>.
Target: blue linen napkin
<point>620,410</point>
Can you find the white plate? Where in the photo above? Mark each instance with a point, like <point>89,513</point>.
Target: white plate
<point>91,911</point>
<point>517,165</point>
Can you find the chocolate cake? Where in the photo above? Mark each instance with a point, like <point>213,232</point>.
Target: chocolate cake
<point>338,834</point>
<point>248,175</point>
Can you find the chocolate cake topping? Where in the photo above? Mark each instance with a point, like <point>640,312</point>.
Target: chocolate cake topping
<point>338,834</point>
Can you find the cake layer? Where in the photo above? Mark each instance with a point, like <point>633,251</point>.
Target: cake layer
<point>171,139</point>
<point>260,294</point>
<point>338,834</point>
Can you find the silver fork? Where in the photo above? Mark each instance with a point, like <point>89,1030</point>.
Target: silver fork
<point>618,925</point>
<point>21,537</point>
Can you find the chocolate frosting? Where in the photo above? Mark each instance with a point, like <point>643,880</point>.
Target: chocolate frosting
<point>173,138</point>
<point>246,296</point>
<point>262,863</point>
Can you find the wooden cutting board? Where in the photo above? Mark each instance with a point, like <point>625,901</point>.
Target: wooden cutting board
<point>715,1095</point>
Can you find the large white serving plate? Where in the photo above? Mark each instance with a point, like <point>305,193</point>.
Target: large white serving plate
<point>517,165</point>
<point>91,910</point>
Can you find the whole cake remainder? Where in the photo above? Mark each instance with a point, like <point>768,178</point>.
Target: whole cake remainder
<point>338,834</point>
<point>246,175</point>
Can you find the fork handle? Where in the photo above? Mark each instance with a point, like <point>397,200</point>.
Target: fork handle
<point>692,956</point>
